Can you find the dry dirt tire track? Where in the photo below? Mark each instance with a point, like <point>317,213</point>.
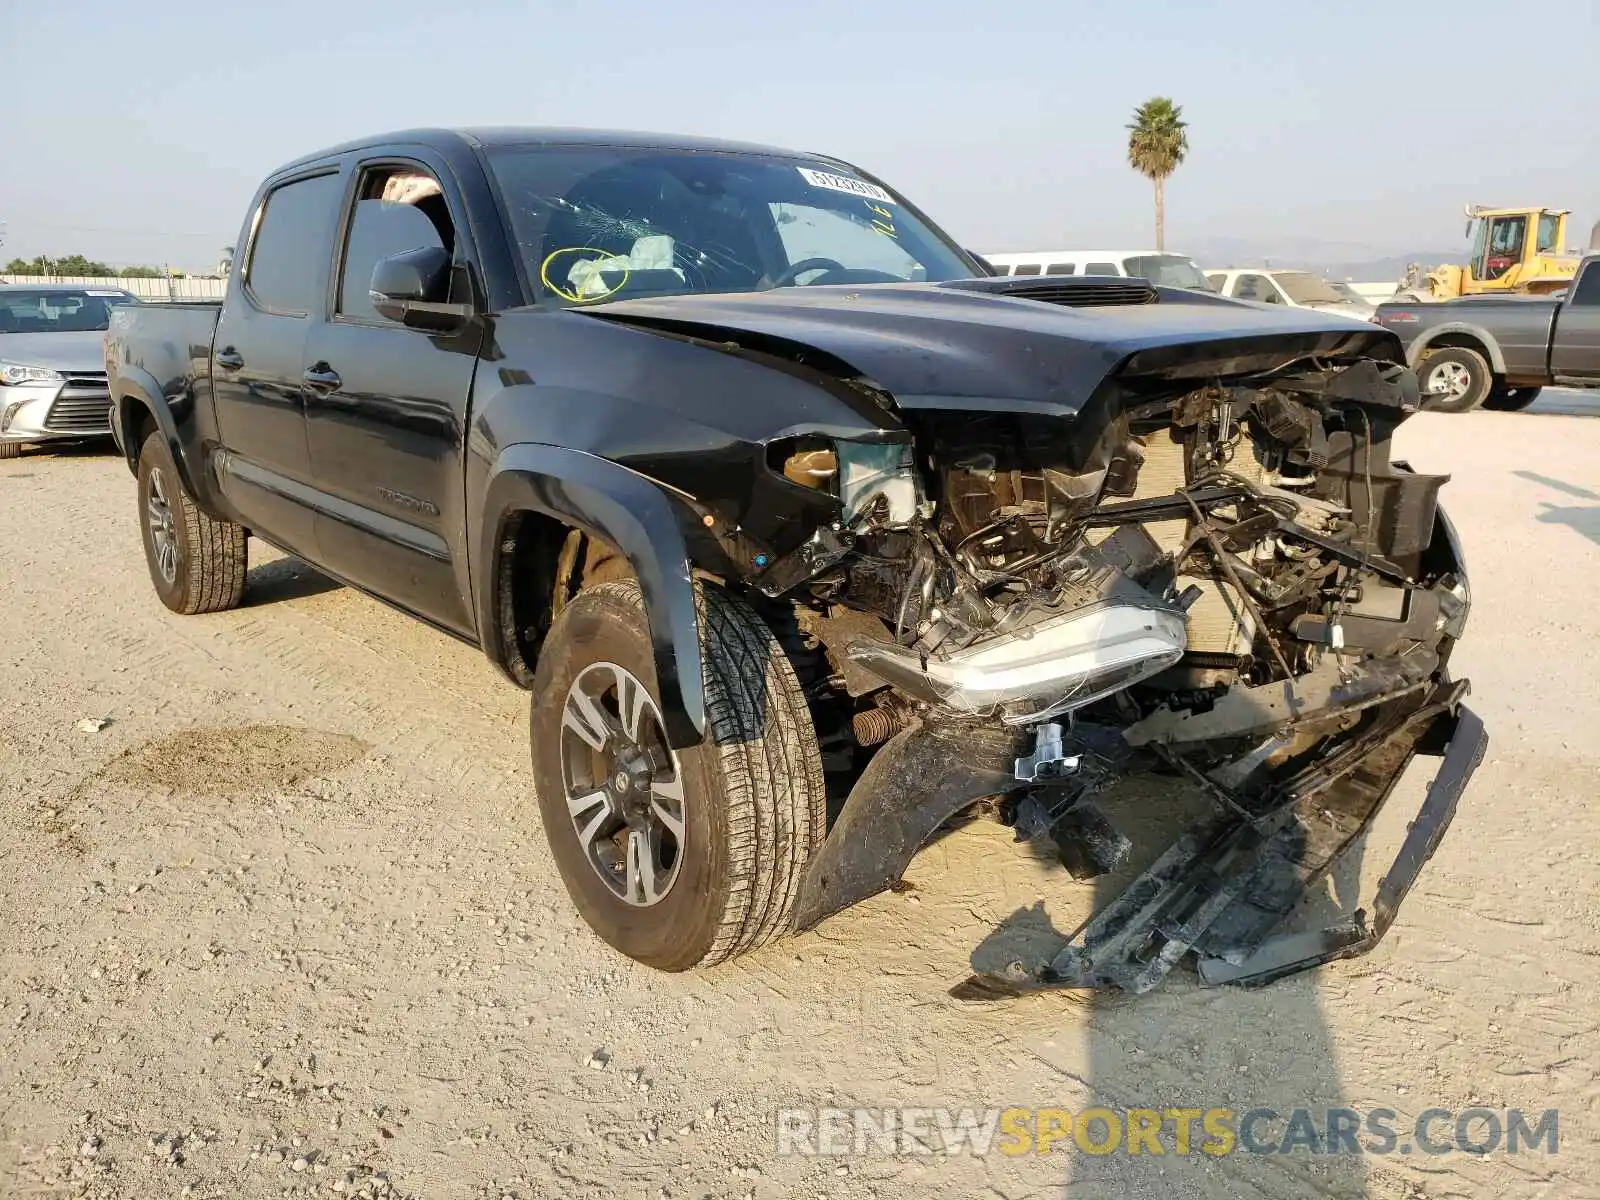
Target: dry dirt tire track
<point>361,941</point>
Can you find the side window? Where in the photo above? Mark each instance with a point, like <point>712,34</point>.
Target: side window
<point>1001,268</point>
<point>396,209</point>
<point>1549,227</point>
<point>1256,287</point>
<point>1026,269</point>
<point>1101,268</point>
<point>1587,291</point>
<point>1061,269</point>
<point>1216,279</point>
<point>291,244</point>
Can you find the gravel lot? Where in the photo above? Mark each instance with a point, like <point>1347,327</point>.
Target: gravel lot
<point>287,924</point>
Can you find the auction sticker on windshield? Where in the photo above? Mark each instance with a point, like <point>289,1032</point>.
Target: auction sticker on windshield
<point>843,183</point>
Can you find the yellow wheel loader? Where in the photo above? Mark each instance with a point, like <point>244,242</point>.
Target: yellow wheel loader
<point>1514,250</point>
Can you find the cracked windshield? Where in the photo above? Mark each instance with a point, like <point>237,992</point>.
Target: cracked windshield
<point>592,225</point>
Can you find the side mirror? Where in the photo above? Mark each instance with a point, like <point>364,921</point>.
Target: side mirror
<point>413,288</point>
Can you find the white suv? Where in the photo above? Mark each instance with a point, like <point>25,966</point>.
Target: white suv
<point>1160,268</point>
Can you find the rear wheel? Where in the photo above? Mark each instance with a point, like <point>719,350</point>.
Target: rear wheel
<point>1453,379</point>
<point>1511,399</point>
<point>197,563</point>
<point>677,858</point>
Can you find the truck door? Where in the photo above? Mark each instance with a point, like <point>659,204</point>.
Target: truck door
<point>386,405</point>
<point>258,357</point>
<point>1507,236</point>
<point>1575,345</point>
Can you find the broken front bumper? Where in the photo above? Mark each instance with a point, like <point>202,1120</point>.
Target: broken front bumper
<point>1219,892</point>
<point>1223,887</point>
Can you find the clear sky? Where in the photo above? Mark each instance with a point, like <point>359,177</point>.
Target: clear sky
<point>136,130</point>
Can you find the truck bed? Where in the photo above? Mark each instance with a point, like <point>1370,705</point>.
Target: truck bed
<point>159,348</point>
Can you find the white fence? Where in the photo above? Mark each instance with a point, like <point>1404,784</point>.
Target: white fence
<point>186,288</point>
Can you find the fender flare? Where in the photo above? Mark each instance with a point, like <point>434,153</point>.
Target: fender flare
<point>137,389</point>
<point>632,512</point>
<point>1497,360</point>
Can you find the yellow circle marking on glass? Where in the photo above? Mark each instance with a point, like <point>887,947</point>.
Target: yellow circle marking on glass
<point>544,273</point>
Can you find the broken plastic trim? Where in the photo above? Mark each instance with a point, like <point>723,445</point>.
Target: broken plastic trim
<point>1290,953</point>
<point>1221,887</point>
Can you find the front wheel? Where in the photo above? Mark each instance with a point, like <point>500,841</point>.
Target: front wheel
<point>1511,399</point>
<point>677,858</point>
<point>1453,380</point>
<point>197,563</point>
<point>10,449</point>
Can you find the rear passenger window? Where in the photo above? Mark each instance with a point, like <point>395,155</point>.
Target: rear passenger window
<point>1026,269</point>
<point>1101,268</point>
<point>1587,293</point>
<point>397,209</point>
<point>1061,269</point>
<point>291,244</point>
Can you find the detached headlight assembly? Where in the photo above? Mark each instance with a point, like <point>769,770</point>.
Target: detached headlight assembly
<point>1055,666</point>
<point>13,373</point>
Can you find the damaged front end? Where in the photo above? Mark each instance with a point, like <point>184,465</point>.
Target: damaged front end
<point>1216,570</point>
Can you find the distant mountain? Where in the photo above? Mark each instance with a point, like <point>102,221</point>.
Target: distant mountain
<point>1389,267</point>
<point>1335,260</point>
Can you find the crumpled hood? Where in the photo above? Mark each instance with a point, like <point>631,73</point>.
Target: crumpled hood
<point>977,344</point>
<point>75,351</point>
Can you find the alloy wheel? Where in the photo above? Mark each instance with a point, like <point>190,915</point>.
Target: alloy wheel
<point>624,788</point>
<point>163,535</point>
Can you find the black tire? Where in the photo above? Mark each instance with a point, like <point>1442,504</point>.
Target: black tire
<point>1510,399</point>
<point>202,568</point>
<point>754,800</point>
<point>1468,366</point>
<point>10,449</point>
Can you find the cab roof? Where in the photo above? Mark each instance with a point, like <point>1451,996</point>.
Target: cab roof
<point>490,137</point>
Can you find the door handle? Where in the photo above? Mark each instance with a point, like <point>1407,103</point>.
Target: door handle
<point>321,379</point>
<point>230,359</point>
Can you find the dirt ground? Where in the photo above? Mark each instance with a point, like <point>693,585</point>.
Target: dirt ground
<point>287,924</point>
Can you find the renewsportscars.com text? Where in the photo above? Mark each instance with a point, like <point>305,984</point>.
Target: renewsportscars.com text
<point>837,1132</point>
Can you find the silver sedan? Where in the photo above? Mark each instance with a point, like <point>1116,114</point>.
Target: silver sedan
<point>52,363</point>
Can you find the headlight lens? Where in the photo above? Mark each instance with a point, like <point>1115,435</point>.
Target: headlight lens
<point>14,373</point>
<point>1055,666</point>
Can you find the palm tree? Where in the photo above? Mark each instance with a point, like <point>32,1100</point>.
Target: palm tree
<point>1157,141</point>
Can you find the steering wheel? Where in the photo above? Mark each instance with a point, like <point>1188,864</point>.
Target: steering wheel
<point>806,264</point>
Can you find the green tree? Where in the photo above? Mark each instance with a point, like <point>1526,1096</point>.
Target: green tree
<point>1158,139</point>
<point>70,264</point>
<point>140,272</point>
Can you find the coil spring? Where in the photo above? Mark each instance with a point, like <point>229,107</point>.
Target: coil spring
<point>874,725</point>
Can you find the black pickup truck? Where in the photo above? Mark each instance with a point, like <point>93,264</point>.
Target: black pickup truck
<point>807,535</point>
<point>1499,351</point>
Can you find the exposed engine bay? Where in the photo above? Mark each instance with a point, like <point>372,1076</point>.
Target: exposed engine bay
<point>1232,535</point>
<point>1232,579</point>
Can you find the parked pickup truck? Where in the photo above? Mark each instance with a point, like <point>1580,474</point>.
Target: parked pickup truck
<point>1499,351</point>
<point>768,492</point>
